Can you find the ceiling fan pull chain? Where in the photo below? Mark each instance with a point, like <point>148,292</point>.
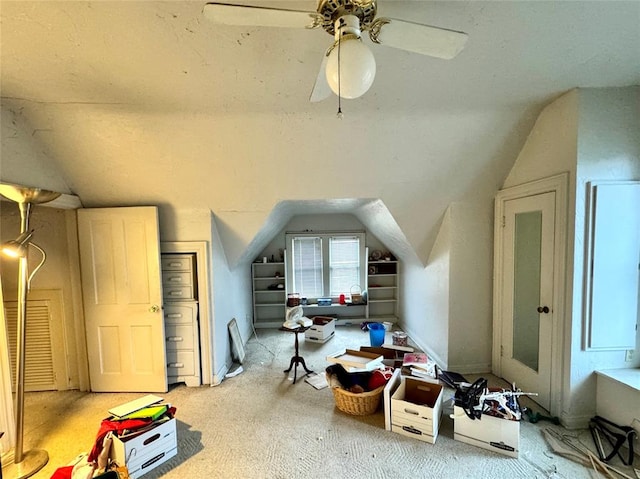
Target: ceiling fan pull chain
<point>339,114</point>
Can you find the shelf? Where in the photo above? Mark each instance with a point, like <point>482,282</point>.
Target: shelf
<point>269,277</point>
<point>271,263</point>
<point>390,300</point>
<point>333,306</point>
<point>270,304</point>
<point>382,287</point>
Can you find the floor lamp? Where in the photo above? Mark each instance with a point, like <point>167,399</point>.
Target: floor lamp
<point>26,463</point>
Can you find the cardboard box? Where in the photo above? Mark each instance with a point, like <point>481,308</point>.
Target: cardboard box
<point>489,432</point>
<point>356,361</point>
<point>141,452</point>
<point>416,407</point>
<point>322,329</point>
<point>389,389</point>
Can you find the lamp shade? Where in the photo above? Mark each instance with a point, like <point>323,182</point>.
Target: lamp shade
<point>354,74</point>
<point>17,248</point>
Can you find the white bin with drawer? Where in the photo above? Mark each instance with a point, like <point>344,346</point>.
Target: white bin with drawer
<point>146,451</point>
<point>141,452</point>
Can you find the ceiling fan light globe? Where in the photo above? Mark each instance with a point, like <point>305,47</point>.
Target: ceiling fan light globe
<point>357,69</point>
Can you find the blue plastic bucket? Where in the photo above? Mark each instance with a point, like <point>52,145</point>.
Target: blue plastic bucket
<point>376,334</point>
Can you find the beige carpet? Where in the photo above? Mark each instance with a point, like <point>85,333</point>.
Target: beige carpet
<point>261,425</point>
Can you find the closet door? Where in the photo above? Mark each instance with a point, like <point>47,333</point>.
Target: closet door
<point>527,295</point>
<point>122,293</point>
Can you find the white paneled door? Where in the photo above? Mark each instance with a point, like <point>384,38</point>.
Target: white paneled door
<point>527,295</point>
<point>122,293</point>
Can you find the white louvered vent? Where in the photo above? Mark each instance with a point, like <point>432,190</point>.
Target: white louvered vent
<point>39,369</point>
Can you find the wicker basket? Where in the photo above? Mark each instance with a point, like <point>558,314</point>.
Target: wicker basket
<point>359,404</point>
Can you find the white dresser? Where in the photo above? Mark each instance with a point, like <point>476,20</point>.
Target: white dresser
<point>180,294</point>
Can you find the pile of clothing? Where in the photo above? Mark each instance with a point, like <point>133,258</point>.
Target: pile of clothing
<point>337,376</point>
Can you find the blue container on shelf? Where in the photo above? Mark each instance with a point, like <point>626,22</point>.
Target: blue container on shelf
<point>376,334</point>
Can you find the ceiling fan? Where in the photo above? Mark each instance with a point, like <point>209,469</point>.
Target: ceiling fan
<point>348,66</point>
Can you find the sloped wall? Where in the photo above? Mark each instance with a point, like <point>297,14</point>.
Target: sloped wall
<point>19,141</point>
<point>427,303</point>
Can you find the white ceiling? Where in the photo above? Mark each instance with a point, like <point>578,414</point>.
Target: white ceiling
<point>147,102</point>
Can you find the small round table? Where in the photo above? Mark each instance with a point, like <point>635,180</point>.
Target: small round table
<point>296,359</point>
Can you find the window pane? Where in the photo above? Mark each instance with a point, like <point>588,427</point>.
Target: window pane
<point>307,266</point>
<point>344,264</point>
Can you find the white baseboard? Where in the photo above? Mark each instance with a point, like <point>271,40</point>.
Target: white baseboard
<point>575,422</point>
<point>219,376</point>
<point>471,368</point>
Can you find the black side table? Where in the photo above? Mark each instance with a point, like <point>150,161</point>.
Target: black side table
<point>296,359</point>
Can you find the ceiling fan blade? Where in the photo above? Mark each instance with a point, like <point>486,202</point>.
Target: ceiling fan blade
<point>245,15</point>
<point>415,37</point>
<point>321,89</point>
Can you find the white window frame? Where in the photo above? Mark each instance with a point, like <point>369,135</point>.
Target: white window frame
<point>325,237</point>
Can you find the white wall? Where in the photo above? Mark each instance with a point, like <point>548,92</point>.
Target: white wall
<point>592,134</point>
<point>426,308</point>
<point>470,310</point>
<point>448,303</point>
<point>231,298</point>
<point>608,149</point>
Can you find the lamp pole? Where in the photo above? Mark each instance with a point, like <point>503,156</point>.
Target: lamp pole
<point>25,464</point>
<point>23,267</point>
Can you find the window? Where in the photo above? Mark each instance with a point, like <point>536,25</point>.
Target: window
<point>325,265</point>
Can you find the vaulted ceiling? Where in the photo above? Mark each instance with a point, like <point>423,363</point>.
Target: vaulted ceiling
<point>148,102</point>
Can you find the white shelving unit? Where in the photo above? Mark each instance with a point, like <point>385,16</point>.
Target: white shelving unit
<point>382,289</point>
<point>268,300</point>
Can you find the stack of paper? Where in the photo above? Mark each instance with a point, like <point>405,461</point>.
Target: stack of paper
<point>419,365</point>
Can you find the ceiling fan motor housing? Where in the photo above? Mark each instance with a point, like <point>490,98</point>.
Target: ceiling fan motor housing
<point>331,10</point>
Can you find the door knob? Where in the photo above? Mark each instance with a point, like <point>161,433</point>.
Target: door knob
<point>543,309</point>
<point>154,309</point>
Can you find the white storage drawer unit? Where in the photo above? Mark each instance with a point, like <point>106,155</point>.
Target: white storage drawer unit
<point>182,342</point>
<point>178,277</point>
<point>182,335</point>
